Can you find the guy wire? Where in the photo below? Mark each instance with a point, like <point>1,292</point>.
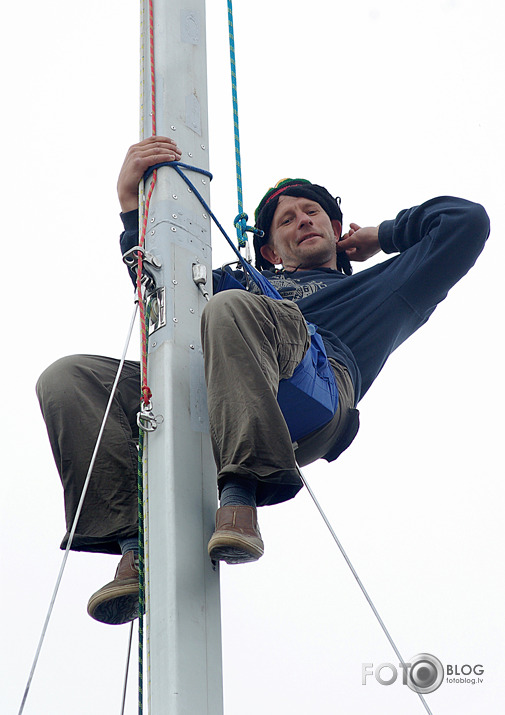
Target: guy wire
<point>355,574</point>
<point>129,650</point>
<point>78,511</point>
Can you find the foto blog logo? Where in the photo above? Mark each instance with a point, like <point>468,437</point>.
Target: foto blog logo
<point>423,673</point>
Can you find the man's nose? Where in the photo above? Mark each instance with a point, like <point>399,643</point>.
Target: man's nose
<point>303,219</point>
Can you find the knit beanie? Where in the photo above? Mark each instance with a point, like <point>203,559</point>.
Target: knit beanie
<point>300,188</point>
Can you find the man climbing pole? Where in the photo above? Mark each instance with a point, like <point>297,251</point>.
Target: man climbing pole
<point>250,343</point>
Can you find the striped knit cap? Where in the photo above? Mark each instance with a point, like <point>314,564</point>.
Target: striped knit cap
<point>300,188</point>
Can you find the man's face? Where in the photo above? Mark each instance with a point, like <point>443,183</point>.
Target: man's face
<point>302,236</point>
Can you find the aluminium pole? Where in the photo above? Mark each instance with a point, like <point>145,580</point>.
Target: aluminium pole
<point>182,588</point>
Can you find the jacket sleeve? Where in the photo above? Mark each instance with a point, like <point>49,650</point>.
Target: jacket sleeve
<point>447,218</point>
<point>130,236</point>
<point>439,241</point>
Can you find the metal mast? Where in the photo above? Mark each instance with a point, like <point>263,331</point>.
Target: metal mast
<point>183,622</point>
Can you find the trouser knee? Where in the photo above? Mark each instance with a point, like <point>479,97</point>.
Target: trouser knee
<point>226,304</point>
<point>56,378</point>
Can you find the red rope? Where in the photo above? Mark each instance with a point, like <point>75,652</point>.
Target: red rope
<point>151,55</point>
<point>145,390</point>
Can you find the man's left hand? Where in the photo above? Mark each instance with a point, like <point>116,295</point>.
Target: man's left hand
<point>360,244</point>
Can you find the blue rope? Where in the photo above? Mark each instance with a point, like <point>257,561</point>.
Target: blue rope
<point>241,219</point>
<point>178,166</point>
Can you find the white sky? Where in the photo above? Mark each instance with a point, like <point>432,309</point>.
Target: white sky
<point>387,104</point>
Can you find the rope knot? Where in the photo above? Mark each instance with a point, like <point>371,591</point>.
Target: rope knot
<point>240,223</point>
<point>147,394</point>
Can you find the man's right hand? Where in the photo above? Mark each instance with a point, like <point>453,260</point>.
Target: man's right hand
<point>151,151</point>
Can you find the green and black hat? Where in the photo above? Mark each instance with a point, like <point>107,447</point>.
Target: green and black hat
<point>294,187</point>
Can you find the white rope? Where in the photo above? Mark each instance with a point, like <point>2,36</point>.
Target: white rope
<point>78,512</point>
<point>360,583</point>
<point>127,667</point>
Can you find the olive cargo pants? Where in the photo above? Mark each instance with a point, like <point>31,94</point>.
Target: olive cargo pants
<point>250,342</point>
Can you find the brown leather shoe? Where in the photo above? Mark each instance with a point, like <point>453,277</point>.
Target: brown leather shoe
<point>237,538</point>
<point>118,601</point>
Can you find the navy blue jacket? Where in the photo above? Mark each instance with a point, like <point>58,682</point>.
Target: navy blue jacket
<point>365,316</point>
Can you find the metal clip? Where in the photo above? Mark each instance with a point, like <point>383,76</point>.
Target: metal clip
<point>131,259</point>
<point>146,419</point>
<point>250,285</point>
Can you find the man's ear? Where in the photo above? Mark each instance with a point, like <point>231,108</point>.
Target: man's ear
<point>270,255</point>
<point>337,228</point>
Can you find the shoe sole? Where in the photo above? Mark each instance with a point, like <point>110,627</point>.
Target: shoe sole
<point>233,549</point>
<point>115,605</point>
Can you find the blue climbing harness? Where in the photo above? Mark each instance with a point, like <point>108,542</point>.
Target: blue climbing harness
<point>309,398</point>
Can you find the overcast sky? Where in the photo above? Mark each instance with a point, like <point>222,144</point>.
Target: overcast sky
<point>387,104</point>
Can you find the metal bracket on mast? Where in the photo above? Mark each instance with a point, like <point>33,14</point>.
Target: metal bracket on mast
<point>200,279</point>
<point>157,310</point>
